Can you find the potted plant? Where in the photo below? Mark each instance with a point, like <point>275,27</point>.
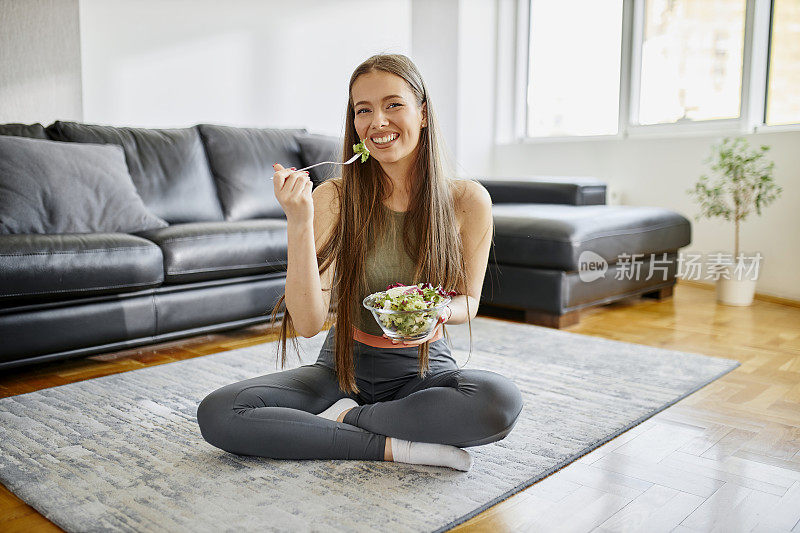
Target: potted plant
<point>744,181</point>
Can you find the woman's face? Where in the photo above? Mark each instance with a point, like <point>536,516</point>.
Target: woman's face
<point>386,107</point>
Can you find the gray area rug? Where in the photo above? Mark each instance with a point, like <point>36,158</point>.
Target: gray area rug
<point>124,452</point>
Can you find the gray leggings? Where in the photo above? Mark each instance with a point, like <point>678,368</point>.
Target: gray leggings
<point>275,415</point>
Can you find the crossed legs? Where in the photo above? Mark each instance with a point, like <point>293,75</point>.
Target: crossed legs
<point>461,407</point>
<point>273,415</point>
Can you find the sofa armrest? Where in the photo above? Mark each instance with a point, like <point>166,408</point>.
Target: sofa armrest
<point>546,190</point>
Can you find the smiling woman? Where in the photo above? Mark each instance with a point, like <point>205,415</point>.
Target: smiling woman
<point>388,118</point>
<point>397,217</point>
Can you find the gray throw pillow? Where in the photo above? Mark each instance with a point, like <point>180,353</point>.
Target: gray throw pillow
<point>58,187</point>
<point>316,148</point>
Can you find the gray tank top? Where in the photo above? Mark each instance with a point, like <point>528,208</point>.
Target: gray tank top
<point>386,262</point>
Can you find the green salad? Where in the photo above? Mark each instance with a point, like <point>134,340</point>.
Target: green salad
<point>362,149</point>
<point>399,297</point>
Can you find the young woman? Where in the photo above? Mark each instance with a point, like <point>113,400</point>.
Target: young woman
<point>398,217</point>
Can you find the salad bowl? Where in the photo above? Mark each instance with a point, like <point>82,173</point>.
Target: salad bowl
<point>407,312</point>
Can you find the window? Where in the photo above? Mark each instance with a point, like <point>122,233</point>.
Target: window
<point>783,100</point>
<point>691,61</point>
<point>574,69</point>
<point>641,67</point>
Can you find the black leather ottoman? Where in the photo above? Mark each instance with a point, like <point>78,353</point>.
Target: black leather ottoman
<point>549,260</point>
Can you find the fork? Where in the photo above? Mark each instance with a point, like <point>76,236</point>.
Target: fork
<point>331,162</point>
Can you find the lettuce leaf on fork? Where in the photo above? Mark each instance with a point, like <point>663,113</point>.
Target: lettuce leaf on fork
<point>362,149</point>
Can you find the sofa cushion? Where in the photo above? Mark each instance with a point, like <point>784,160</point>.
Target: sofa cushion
<point>241,161</point>
<point>33,131</point>
<point>554,236</point>
<point>36,267</point>
<point>168,167</point>
<point>211,250</point>
<point>55,187</point>
<point>315,148</point>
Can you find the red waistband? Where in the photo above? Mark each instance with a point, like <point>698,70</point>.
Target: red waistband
<point>378,341</point>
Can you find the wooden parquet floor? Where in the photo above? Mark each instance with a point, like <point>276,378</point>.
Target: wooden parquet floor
<point>726,458</point>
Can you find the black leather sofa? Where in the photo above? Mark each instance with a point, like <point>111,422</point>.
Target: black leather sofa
<point>214,254</point>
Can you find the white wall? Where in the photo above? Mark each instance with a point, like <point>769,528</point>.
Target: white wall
<point>453,43</point>
<point>437,22</point>
<point>40,61</point>
<point>476,84</point>
<point>260,63</point>
<point>278,64</point>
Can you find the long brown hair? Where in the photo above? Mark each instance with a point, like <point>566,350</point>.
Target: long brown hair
<point>430,233</point>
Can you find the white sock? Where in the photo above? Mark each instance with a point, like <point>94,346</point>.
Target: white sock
<point>333,412</point>
<point>430,453</point>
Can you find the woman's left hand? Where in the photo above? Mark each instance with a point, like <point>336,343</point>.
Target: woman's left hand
<point>443,318</point>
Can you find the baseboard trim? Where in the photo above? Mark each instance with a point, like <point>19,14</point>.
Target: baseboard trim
<point>758,295</point>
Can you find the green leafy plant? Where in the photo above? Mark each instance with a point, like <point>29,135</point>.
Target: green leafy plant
<point>362,149</point>
<point>744,181</point>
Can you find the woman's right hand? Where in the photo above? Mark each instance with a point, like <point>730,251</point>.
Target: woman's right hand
<point>293,191</point>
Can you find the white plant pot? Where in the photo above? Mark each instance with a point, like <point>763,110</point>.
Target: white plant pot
<point>740,288</point>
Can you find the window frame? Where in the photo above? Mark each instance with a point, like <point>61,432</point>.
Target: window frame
<point>753,95</point>
<point>763,34</point>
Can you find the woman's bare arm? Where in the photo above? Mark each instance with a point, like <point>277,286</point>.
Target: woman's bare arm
<point>306,300</point>
<point>477,229</point>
